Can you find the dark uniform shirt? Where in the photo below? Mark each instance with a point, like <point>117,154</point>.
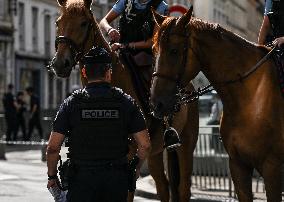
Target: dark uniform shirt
<point>135,120</point>
<point>8,102</point>
<point>35,101</point>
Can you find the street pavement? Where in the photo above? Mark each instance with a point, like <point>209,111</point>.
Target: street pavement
<point>23,179</point>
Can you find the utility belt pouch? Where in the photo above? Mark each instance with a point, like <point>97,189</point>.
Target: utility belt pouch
<point>132,173</point>
<point>65,170</point>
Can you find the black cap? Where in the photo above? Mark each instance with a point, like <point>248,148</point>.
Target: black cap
<point>97,55</point>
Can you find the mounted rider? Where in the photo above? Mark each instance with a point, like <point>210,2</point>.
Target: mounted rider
<point>272,33</point>
<point>134,36</point>
<point>134,40</point>
<point>272,28</point>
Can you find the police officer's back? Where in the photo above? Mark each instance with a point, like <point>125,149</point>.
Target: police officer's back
<point>98,119</point>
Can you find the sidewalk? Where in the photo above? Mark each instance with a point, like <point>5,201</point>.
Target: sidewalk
<point>23,179</point>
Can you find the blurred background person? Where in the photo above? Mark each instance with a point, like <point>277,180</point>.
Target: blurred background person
<point>216,110</point>
<point>34,120</point>
<point>21,122</point>
<point>10,108</point>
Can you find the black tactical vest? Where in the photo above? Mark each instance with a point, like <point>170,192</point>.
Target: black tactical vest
<point>276,18</point>
<point>98,127</point>
<point>137,24</point>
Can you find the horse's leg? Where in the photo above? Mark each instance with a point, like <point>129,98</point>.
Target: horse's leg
<point>173,175</point>
<point>189,138</point>
<point>185,156</point>
<point>242,178</point>
<point>271,172</point>
<point>156,168</point>
<point>185,169</point>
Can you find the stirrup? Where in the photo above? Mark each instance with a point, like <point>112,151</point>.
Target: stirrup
<point>171,139</point>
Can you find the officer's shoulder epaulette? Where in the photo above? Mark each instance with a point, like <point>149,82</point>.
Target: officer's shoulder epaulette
<point>124,95</point>
<point>117,90</point>
<point>80,93</point>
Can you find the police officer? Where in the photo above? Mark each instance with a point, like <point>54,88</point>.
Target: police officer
<point>272,29</point>
<point>98,119</point>
<point>135,25</point>
<point>10,108</point>
<point>134,37</point>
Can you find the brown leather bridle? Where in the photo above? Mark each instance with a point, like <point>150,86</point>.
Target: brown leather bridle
<point>178,78</point>
<point>77,51</point>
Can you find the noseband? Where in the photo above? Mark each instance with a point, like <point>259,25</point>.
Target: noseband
<point>76,51</point>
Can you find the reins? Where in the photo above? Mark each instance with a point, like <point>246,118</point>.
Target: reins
<point>185,96</point>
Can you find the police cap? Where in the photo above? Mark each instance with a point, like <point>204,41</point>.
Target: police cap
<point>97,55</point>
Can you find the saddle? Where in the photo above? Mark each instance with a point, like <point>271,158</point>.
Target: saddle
<point>278,58</point>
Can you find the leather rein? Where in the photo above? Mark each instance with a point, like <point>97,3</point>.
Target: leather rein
<point>76,50</point>
<point>185,96</point>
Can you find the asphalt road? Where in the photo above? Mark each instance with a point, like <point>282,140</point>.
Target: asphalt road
<point>23,179</point>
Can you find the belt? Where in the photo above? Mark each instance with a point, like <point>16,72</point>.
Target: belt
<point>81,164</point>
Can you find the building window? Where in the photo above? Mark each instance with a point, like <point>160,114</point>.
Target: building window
<point>35,29</point>
<point>47,33</point>
<point>21,22</point>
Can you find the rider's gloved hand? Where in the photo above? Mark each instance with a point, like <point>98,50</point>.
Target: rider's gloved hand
<point>113,34</point>
<point>116,46</point>
<point>279,42</point>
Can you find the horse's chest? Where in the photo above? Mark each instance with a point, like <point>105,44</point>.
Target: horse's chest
<point>250,144</point>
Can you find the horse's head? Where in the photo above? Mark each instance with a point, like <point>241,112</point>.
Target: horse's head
<point>74,35</point>
<point>175,65</point>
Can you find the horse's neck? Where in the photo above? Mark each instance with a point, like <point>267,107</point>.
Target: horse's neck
<point>224,59</point>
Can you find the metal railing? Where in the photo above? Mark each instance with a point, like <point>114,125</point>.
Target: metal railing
<point>211,173</point>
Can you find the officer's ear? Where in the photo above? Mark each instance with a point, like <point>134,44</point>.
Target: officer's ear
<point>84,72</point>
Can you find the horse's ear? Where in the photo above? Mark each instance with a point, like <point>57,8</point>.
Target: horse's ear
<point>184,20</point>
<point>159,19</point>
<point>88,3</point>
<point>61,2</point>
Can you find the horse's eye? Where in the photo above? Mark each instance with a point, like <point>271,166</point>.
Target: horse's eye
<point>84,24</point>
<point>173,51</point>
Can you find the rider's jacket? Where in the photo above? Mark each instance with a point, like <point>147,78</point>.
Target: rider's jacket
<point>99,130</point>
<point>276,18</point>
<point>137,24</point>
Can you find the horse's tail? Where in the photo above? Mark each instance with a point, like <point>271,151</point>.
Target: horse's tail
<point>174,175</point>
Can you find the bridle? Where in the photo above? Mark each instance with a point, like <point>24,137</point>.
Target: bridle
<point>77,51</point>
<point>178,78</point>
<point>184,96</point>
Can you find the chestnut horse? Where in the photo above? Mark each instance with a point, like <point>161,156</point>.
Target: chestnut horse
<point>252,127</point>
<point>77,32</point>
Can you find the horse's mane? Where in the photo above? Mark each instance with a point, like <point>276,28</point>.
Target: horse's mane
<point>213,28</point>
